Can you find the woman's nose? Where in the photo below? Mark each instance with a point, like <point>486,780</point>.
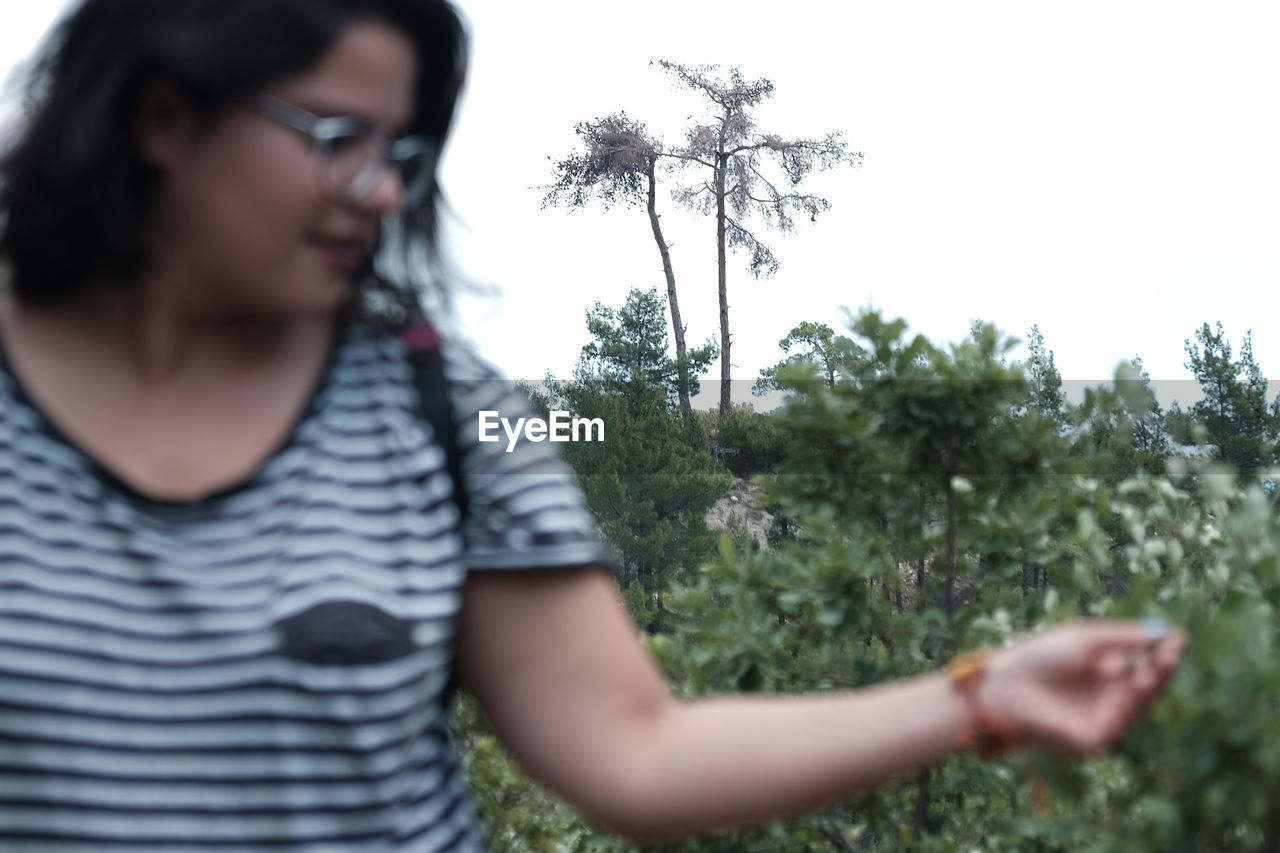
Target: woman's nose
<point>386,194</point>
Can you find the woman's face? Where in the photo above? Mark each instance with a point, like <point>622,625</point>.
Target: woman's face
<point>242,224</point>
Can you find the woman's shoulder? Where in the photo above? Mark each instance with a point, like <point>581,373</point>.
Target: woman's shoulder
<point>461,357</point>
<point>463,366</point>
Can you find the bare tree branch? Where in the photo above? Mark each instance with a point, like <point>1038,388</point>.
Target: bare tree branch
<point>762,263</point>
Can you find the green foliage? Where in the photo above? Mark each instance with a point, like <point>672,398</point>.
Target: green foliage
<point>652,480</point>
<point>1181,426</point>
<point>1201,773</point>
<point>1234,408</point>
<point>519,815</point>
<point>1120,430</point>
<point>1044,380</point>
<point>939,507</point>
<point>1193,547</point>
<point>811,344</point>
<point>630,348</point>
<point>757,443</point>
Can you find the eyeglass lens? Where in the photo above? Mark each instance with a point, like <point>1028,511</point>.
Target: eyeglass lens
<point>351,164</point>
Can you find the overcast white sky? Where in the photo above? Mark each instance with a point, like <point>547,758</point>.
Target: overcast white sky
<point>1107,170</point>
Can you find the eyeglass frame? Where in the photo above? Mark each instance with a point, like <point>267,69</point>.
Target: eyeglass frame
<point>324,130</point>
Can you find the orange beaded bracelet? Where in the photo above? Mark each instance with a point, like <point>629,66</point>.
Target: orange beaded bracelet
<point>988,737</point>
<point>978,729</point>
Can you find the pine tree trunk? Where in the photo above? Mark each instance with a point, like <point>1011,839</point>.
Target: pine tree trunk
<point>722,163</point>
<point>924,797</point>
<point>943,643</point>
<point>677,327</point>
<point>921,580</point>
<point>946,642</point>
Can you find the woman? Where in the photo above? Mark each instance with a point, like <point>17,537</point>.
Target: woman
<point>235,590</point>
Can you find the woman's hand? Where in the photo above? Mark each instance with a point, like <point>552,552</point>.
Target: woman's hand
<point>1077,687</point>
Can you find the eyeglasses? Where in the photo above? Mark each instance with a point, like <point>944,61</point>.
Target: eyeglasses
<point>350,153</point>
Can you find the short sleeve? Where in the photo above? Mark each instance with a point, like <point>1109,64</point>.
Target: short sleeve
<point>524,507</point>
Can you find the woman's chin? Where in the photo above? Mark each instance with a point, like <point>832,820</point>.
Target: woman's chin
<point>318,296</point>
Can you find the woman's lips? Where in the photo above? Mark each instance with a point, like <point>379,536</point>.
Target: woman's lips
<point>346,255</point>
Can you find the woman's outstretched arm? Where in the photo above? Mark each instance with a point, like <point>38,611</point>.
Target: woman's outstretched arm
<point>555,663</point>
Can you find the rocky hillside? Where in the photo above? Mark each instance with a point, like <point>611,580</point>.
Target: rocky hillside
<point>743,502</point>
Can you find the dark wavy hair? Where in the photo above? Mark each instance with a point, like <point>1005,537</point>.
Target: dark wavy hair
<point>76,193</point>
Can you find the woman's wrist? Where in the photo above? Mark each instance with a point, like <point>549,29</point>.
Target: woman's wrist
<point>979,727</point>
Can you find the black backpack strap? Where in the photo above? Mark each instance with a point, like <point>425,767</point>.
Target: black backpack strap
<point>422,345</point>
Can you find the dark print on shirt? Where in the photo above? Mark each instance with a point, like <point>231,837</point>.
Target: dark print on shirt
<point>345,633</point>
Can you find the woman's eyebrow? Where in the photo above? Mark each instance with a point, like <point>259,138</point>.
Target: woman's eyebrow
<point>323,110</point>
<point>399,129</point>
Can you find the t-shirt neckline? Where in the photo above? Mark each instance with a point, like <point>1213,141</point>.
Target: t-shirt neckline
<point>339,336</point>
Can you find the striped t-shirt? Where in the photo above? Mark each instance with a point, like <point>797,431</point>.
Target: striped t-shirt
<point>269,668</point>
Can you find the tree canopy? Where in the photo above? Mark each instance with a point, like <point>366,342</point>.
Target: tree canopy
<point>1234,408</point>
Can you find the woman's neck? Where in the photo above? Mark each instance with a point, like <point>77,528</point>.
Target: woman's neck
<point>152,337</point>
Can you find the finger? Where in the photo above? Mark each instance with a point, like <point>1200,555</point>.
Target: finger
<point>1113,663</point>
<point>1152,675</point>
<point>1169,651</point>
<point>1106,635</point>
<point>1125,673</point>
<point>1159,663</point>
<point>1106,710</point>
<point>1111,649</point>
<point>1113,712</point>
<point>1164,662</point>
